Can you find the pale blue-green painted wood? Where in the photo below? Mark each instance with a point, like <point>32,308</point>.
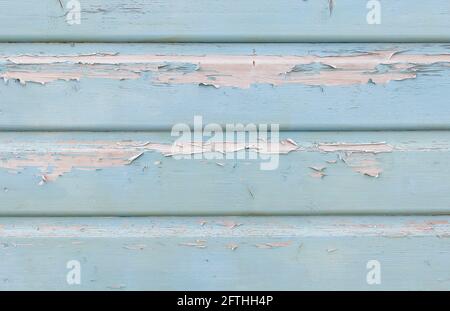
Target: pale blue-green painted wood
<point>316,253</point>
<point>413,178</point>
<point>145,104</point>
<point>225,20</point>
<point>226,253</point>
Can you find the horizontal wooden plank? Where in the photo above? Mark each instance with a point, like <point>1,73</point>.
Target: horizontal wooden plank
<point>142,174</point>
<point>224,20</point>
<point>154,86</point>
<point>246,253</point>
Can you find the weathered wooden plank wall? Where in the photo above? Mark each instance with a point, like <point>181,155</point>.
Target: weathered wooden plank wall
<point>241,253</point>
<point>154,86</point>
<point>85,131</point>
<point>224,20</point>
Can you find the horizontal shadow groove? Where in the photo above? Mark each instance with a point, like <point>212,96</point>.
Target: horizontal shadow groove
<point>140,215</point>
<point>215,40</point>
<point>282,129</point>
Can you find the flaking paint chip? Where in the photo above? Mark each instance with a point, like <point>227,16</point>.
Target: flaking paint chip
<point>134,158</point>
<point>371,171</point>
<point>209,84</point>
<point>197,244</point>
<point>292,142</point>
<point>318,168</point>
<point>135,247</point>
<point>232,246</point>
<point>273,244</point>
<point>231,224</point>
<point>44,179</point>
<point>318,174</point>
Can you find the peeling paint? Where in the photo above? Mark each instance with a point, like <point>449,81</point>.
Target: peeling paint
<point>359,157</point>
<point>241,71</point>
<point>197,244</point>
<point>54,160</point>
<point>318,168</point>
<point>317,174</point>
<point>261,227</point>
<point>347,147</point>
<point>47,75</point>
<point>363,163</point>
<point>230,224</point>
<point>232,246</point>
<point>135,157</point>
<point>273,244</point>
<point>135,247</point>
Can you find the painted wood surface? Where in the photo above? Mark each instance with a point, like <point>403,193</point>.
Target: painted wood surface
<point>224,20</point>
<point>127,173</point>
<point>154,86</point>
<point>226,253</point>
<point>85,131</point>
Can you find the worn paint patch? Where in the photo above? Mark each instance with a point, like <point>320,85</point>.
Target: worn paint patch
<point>230,224</point>
<point>51,73</point>
<point>54,160</point>
<point>139,247</point>
<point>232,246</point>
<point>241,71</point>
<point>359,157</point>
<point>378,147</point>
<point>270,245</point>
<point>262,227</point>
<point>317,174</point>
<point>363,163</point>
<point>196,244</point>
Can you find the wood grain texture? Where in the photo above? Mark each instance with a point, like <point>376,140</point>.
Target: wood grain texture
<point>224,20</point>
<point>154,86</point>
<point>134,174</point>
<point>226,253</point>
